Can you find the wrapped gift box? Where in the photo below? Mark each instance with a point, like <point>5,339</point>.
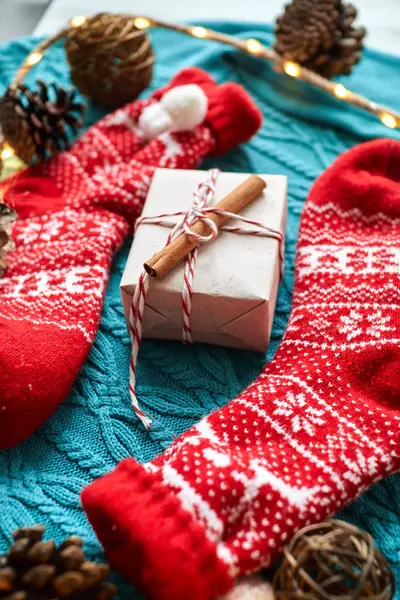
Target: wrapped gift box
<point>237,276</point>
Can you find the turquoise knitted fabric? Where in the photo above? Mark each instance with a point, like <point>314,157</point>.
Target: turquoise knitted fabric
<point>303,132</point>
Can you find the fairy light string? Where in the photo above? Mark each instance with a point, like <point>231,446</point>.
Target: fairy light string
<point>388,117</point>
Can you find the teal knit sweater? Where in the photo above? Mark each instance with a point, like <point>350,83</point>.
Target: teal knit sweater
<point>304,131</point>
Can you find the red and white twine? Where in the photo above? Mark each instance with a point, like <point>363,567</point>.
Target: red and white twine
<point>202,197</point>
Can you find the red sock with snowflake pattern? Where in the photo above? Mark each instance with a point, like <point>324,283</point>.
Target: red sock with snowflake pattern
<point>74,211</point>
<point>318,426</point>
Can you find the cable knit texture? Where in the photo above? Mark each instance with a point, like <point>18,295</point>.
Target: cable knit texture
<point>303,132</point>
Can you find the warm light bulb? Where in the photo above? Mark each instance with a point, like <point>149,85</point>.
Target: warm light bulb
<point>292,69</point>
<point>389,120</point>
<point>340,91</point>
<point>78,20</point>
<point>141,23</point>
<point>199,32</point>
<point>34,58</point>
<point>7,152</point>
<point>253,46</point>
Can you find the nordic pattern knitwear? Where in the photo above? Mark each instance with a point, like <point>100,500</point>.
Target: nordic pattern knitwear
<point>74,212</point>
<point>317,427</point>
<point>303,132</point>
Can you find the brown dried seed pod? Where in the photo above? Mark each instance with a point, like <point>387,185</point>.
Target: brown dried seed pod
<point>7,578</point>
<point>41,552</point>
<point>34,533</point>
<point>67,583</point>
<point>19,549</point>
<point>73,540</point>
<point>39,576</point>
<point>71,557</point>
<point>94,573</point>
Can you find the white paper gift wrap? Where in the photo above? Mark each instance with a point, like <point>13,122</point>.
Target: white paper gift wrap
<point>237,276</point>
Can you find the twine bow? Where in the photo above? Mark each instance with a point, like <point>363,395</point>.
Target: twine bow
<point>203,196</point>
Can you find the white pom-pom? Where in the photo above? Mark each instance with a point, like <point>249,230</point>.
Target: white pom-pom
<point>186,105</point>
<point>180,109</point>
<point>154,120</point>
<point>252,587</point>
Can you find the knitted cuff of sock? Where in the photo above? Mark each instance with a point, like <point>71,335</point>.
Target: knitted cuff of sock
<point>150,539</point>
<point>232,116</point>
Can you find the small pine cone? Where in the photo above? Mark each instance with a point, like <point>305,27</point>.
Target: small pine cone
<point>320,36</point>
<point>15,128</point>
<point>7,217</point>
<point>34,569</point>
<point>306,28</point>
<point>38,123</point>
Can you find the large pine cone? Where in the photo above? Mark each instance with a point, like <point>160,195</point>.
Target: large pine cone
<point>38,123</point>
<point>37,570</point>
<point>320,35</point>
<point>111,60</point>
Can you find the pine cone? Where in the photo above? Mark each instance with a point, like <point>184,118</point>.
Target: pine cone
<point>320,36</point>
<point>38,123</point>
<point>7,216</point>
<point>37,570</point>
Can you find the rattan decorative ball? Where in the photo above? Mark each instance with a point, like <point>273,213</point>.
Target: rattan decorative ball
<point>332,561</point>
<point>111,60</point>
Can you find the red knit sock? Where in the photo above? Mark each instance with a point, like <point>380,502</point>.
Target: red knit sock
<point>74,212</point>
<point>318,426</point>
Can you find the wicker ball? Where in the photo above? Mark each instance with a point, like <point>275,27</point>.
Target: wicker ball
<point>333,560</point>
<point>111,60</point>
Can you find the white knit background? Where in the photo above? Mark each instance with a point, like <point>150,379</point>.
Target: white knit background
<point>382,18</point>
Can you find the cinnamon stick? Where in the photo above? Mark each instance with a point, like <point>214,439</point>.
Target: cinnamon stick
<point>162,262</point>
